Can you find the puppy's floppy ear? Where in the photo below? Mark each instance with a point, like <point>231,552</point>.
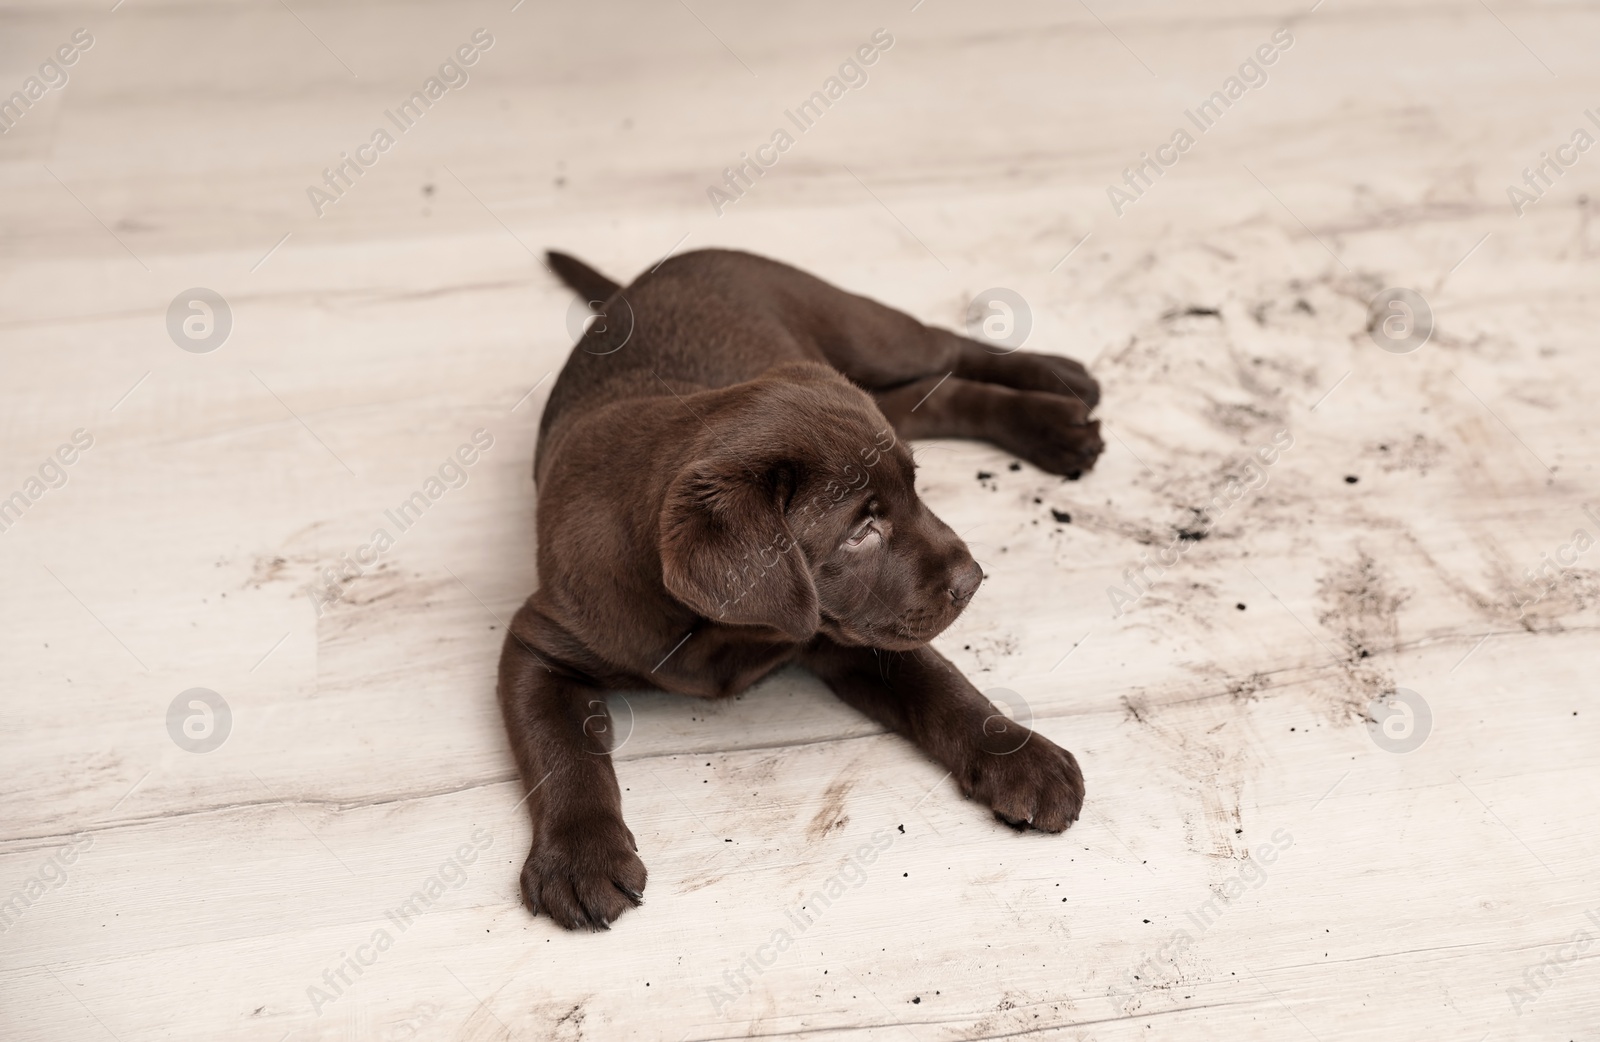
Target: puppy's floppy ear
<point>728,553</point>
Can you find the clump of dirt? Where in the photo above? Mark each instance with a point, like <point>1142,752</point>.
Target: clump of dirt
<point>1245,690</point>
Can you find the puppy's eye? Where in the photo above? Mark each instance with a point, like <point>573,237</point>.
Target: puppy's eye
<point>864,531</point>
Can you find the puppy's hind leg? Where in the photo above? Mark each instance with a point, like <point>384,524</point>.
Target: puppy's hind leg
<point>881,348</point>
<point>584,869</point>
<point>1051,431</point>
<point>1026,371</point>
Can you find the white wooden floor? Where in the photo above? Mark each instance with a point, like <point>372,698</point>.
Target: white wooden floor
<point>1254,861</point>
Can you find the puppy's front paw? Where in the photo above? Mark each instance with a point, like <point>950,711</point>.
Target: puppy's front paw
<point>1054,434</point>
<point>583,874</point>
<point>1035,785</point>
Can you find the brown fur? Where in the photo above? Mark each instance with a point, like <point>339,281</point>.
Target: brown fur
<point>724,487</point>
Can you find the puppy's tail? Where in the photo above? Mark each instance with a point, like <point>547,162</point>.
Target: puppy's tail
<point>594,287</point>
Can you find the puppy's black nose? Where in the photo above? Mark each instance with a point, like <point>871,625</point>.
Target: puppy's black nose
<point>964,583</point>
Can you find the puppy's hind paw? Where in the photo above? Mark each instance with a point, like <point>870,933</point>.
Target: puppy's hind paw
<point>1054,433</point>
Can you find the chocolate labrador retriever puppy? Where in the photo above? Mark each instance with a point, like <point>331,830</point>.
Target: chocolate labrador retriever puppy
<point>725,487</point>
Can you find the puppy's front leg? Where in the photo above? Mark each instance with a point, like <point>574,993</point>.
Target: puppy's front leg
<point>1024,777</point>
<point>584,868</point>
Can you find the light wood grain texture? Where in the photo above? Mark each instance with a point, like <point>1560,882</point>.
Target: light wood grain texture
<point>1430,894</point>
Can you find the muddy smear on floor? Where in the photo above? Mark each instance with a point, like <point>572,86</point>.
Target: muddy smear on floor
<point>1208,758</point>
<point>1108,520</point>
<point>561,1021</point>
<point>268,568</point>
<point>1414,453</point>
<point>1534,594</point>
<point>1360,608</point>
<point>374,601</point>
<point>1574,591</point>
<point>987,651</point>
<point>1210,363</point>
<point>831,815</point>
<point>1243,419</point>
<point>1016,1013</point>
<point>760,770</point>
<point>404,1025</point>
<point>1211,757</point>
<point>699,881</point>
<point>1494,606</point>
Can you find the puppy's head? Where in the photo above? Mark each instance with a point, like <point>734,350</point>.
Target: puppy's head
<point>799,513</point>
